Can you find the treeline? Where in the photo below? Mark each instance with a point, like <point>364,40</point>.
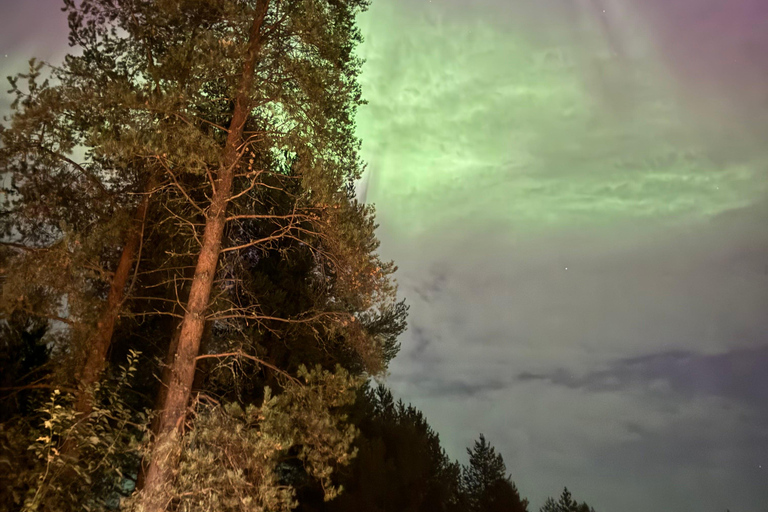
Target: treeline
<point>400,466</point>
<point>192,302</point>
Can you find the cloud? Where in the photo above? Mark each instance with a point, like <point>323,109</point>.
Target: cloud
<point>631,377</point>
<point>586,297</point>
<point>740,374</point>
<point>620,449</point>
<point>33,28</point>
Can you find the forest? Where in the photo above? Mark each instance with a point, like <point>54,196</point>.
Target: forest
<point>194,313</point>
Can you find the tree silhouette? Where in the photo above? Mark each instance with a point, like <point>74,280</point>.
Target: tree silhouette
<point>566,503</point>
<point>486,484</point>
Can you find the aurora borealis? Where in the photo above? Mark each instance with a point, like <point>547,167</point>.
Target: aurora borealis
<point>576,201</point>
<point>575,194</point>
<point>470,119</point>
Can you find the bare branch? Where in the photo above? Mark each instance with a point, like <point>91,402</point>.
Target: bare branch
<point>178,185</point>
<point>153,313</point>
<point>250,187</point>
<point>252,358</point>
<point>247,316</point>
<point>24,248</point>
<point>281,233</point>
<point>51,316</point>
<point>88,174</point>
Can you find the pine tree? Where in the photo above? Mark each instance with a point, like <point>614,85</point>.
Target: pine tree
<point>186,143</point>
<point>75,226</point>
<point>485,481</point>
<point>565,503</point>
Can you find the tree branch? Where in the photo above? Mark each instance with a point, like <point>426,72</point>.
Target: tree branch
<point>242,354</point>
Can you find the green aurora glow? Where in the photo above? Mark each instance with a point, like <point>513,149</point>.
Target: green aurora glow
<point>468,121</point>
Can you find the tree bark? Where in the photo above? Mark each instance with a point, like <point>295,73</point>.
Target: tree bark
<point>99,343</point>
<point>164,455</point>
<point>167,374</point>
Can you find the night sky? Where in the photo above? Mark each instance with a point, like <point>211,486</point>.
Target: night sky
<point>575,194</point>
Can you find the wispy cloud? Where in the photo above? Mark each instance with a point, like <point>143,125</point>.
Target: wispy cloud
<point>740,374</point>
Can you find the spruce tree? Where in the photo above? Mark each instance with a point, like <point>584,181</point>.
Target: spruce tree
<point>485,481</point>
<point>565,503</point>
<point>400,464</point>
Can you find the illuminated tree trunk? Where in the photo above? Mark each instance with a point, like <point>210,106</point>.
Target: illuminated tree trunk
<point>164,458</point>
<point>99,343</point>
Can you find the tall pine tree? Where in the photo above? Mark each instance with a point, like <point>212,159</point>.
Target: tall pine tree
<point>188,142</point>
<point>485,481</point>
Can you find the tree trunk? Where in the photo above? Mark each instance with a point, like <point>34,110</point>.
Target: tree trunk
<point>167,374</point>
<point>98,344</point>
<point>164,455</point>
